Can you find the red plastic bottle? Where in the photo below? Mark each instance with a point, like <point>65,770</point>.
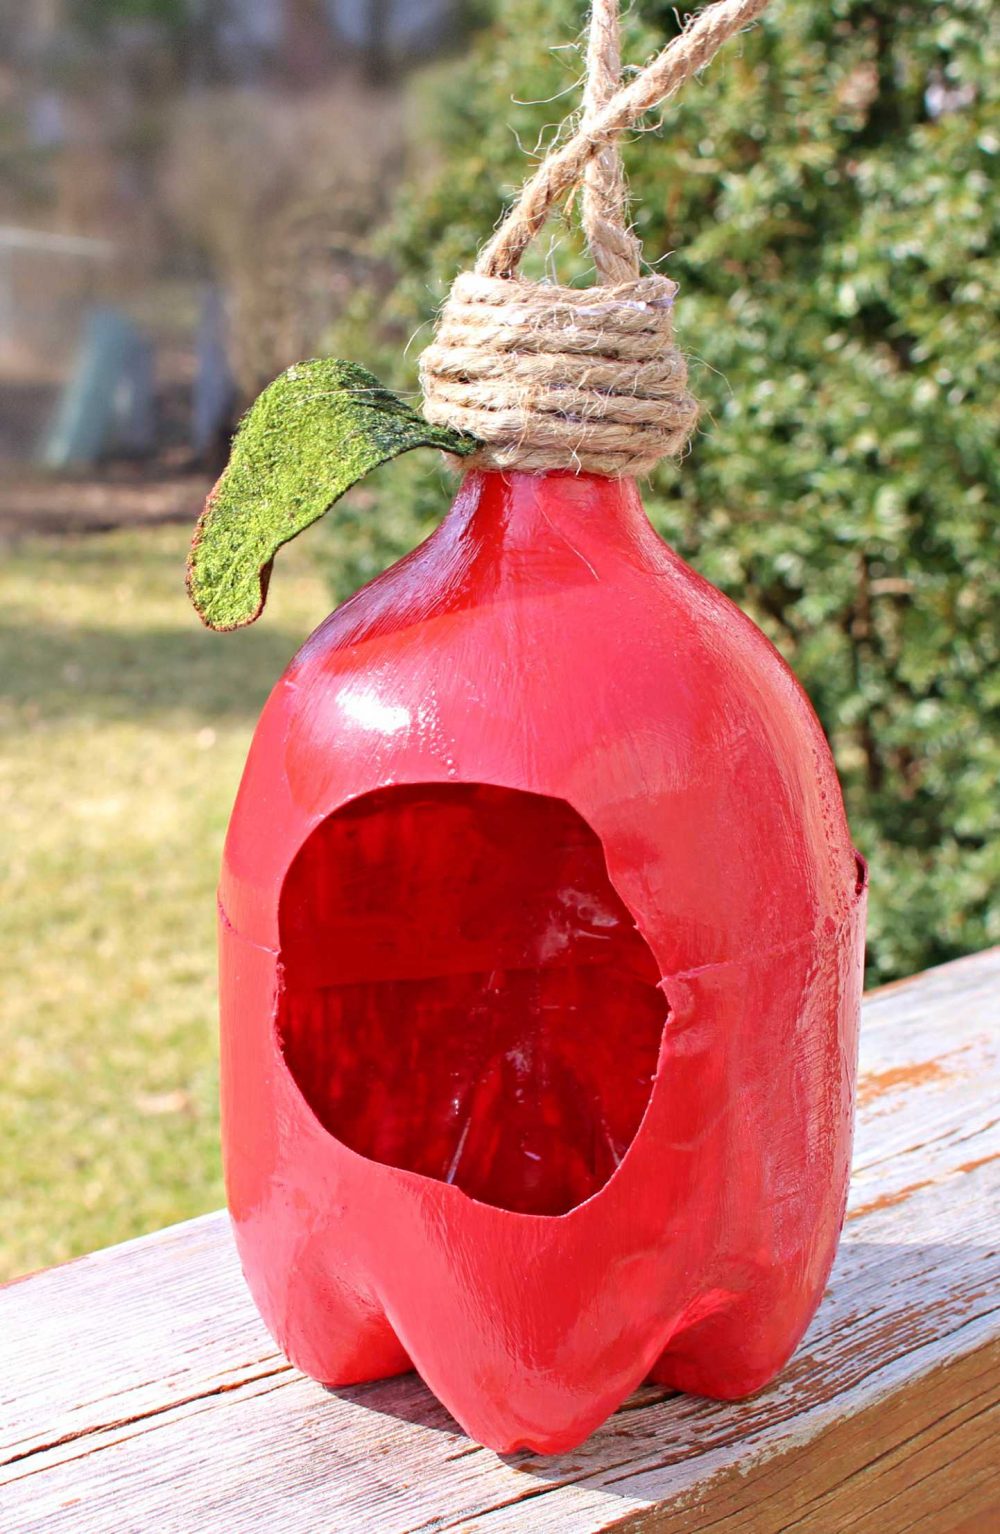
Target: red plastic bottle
<point>542,939</point>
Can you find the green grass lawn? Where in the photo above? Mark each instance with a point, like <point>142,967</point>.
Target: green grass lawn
<point>124,725</point>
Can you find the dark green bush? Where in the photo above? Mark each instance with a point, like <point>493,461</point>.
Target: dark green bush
<point>826,198</point>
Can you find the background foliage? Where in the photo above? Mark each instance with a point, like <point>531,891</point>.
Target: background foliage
<point>826,198</point>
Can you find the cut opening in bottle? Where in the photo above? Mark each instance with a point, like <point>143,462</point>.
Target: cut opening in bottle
<point>465,995</point>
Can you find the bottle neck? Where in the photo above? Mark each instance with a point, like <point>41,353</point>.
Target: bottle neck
<point>507,535</point>
<point>555,521</point>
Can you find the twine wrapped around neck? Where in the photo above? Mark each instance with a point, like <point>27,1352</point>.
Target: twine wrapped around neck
<point>589,379</point>
<point>549,377</point>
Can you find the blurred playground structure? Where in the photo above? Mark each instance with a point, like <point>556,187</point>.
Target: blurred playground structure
<point>187,187</point>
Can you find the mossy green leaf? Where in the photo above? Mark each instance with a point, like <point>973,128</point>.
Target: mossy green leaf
<point>313,433</point>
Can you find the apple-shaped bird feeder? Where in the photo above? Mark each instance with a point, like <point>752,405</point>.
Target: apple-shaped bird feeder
<point>541,925</point>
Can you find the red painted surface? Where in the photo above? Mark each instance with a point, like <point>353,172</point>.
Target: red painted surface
<point>541,966</point>
<point>465,994</point>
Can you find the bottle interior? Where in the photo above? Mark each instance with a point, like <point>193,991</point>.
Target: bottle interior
<point>464,995</point>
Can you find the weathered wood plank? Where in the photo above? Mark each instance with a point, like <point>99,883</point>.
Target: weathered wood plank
<point>142,1393</point>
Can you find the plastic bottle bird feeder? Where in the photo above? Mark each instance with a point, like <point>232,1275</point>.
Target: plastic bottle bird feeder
<point>541,935</point>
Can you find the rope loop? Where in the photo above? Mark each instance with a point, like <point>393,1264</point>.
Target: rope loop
<point>549,377</point>
<point>612,244</point>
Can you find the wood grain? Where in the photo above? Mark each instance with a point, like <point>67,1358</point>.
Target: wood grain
<point>142,1393</point>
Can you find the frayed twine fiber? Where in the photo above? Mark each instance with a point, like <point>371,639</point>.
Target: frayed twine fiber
<point>549,377</point>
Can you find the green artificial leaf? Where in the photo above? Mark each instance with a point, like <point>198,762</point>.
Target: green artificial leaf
<point>313,433</point>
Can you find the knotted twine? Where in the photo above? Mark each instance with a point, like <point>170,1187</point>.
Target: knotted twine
<point>590,379</point>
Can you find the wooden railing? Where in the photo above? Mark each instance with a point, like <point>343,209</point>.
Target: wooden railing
<point>140,1392</point>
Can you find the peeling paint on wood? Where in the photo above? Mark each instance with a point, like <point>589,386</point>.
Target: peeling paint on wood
<point>141,1392</point>
<point>875,1083</point>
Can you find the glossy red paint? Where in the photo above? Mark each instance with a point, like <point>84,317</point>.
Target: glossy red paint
<point>541,944</point>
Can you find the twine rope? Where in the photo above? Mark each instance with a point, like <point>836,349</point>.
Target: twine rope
<point>549,377</point>
<point>612,244</point>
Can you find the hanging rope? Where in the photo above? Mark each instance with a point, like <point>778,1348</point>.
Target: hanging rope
<point>612,244</point>
<point>685,56</point>
<point>549,377</point>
